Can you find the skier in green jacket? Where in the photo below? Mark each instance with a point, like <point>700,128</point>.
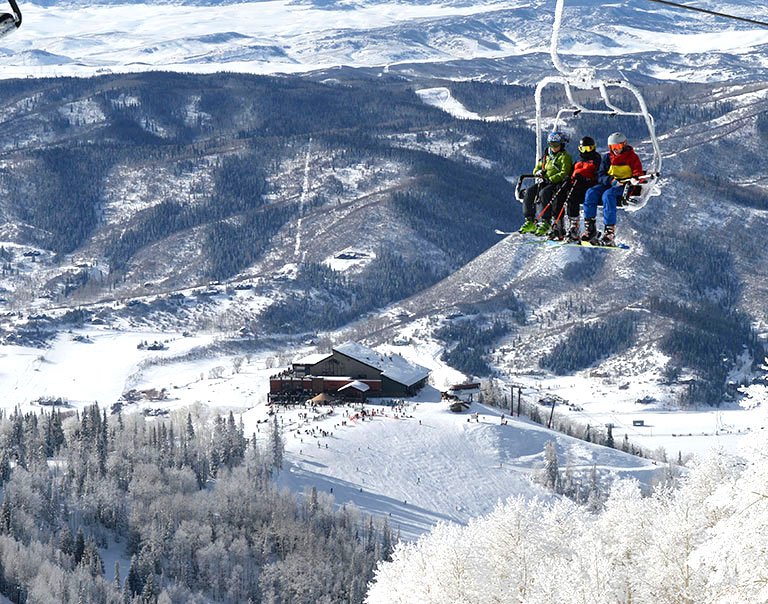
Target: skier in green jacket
<point>553,170</point>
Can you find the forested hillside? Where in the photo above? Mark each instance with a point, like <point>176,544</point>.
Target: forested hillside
<point>70,140</point>
<point>187,509</point>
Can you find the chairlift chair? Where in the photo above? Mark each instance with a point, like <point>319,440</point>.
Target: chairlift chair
<point>637,190</point>
<point>10,21</point>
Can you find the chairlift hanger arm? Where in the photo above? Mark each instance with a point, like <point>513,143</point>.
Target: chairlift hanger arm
<point>604,93</point>
<point>569,94</point>
<point>16,12</point>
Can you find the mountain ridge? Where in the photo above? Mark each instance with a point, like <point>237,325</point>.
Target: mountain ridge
<point>274,37</point>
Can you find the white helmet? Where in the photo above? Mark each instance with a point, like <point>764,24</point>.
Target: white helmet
<point>617,138</point>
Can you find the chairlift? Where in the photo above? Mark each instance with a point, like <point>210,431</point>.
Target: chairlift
<point>637,190</point>
<point>10,21</point>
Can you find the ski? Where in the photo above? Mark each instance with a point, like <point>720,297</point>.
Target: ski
<point>529,239</point>
<point>617,246</point>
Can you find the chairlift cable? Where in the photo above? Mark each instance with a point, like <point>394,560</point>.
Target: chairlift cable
<point>711,12</point>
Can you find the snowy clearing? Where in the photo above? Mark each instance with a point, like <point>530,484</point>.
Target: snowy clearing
<point>416,464</point>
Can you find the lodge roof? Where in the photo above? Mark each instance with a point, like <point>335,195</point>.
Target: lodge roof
<point>313,359</point>
<point>393,366</point>
<point>355,385</point>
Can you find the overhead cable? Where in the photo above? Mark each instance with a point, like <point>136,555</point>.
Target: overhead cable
<point>711,12</point>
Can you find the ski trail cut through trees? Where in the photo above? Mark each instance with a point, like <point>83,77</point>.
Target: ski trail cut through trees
<point>303,199</point>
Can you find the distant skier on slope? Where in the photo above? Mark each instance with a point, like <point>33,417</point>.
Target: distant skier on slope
<point>552,171</point>
<point>584,176</point>
<point>619,164</point>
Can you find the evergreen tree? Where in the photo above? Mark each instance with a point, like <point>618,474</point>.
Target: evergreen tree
<point>79,546</point>
<point>277,446</point>
<point>551,467</point>
<point>5,466</point>
<point>66,542</point>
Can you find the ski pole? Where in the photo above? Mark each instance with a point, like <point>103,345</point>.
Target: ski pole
<point>566,201</point>
<point>546,207</point>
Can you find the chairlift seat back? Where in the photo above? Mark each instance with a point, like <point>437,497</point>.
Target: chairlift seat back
<point>10,21</point>
<point>7,23</point>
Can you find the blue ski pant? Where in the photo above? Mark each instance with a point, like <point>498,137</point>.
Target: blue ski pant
<point>609,196</point>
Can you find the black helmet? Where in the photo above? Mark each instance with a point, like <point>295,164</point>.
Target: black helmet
<point>587,141</point>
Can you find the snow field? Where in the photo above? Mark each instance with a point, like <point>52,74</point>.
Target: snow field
<point>279,36</point>
<point>415,465</point>
<point>419,464</point>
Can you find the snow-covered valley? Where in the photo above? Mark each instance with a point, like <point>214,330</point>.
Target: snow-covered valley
<point>416,464</point>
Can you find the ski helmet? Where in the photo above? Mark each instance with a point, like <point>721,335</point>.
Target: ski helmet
<point>617,138</point>
<point>557,137</point>
<point>586,144</point>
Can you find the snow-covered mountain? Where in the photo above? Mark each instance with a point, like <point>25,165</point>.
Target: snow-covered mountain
<point>83,38</point>
<point>169,241</point>
<point>243,220</point>
<point>328,214</point>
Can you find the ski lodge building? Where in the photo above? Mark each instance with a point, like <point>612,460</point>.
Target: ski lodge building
<point>350,370</point>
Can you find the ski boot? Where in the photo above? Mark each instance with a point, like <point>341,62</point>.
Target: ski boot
<point>529,226</point>
<point>557,232</point>
<point>572,235</point>
<point>542,228</point>
<point>590,231</point>
<point>609,236</point>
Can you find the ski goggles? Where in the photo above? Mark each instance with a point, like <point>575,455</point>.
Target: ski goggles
<point>554,144</point>
<point>586,148</point>
<point>616,148</point>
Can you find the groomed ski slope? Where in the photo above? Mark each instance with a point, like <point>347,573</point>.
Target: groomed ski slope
<point>420,463</point>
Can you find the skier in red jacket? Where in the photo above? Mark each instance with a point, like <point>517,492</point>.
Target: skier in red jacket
<point>620,163</point>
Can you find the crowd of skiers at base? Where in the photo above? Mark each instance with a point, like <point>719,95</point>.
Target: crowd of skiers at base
<point>563,185</point>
